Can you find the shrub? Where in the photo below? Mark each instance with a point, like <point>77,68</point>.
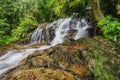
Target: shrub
<point>23,28</point>
<point>110,28</point>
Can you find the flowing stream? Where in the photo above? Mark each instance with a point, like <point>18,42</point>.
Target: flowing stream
<point>61,30</point>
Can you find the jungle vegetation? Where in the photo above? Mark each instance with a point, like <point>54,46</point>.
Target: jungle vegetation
<point>19,17</point>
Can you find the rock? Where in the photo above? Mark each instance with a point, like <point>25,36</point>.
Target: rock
<point>56,63</point>
<point>71,62</point>
<point>43,74</point>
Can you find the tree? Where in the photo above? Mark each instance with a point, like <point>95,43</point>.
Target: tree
<point>95,5</point>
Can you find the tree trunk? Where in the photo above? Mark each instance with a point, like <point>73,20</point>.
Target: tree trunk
<point>95,6</point>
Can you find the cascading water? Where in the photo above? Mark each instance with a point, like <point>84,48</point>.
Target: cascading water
<point>37,36</point>
<point>12,59</point>
<point>61,29</point>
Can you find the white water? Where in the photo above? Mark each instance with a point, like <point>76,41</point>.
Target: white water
<point>82,30</point>
<point>37,36</point>
<point>14,57</point>
<point>61,31</point>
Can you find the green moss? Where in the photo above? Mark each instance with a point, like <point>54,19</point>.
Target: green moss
<point>55,64</point>
<point>26,40</point>
<point>67,42</point>
<point>100,69</point>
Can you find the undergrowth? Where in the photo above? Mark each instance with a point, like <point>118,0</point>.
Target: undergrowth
<point>102,67</point>
<point>110,28</point>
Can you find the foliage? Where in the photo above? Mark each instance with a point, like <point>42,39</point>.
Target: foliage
<point>44,11</point>
<point>3,27</point>
<point>4,31</point>
<point>109,7</point>
<point>110,28</point>
<point>100,69</point>
<point>14,14</point>
<point>68,7</point>
<point>11,11</point>
<point>23,28</point>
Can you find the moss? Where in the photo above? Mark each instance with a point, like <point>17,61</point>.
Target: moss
<point>67,42</point>
<point>26,40</point>
<point>55,64</point>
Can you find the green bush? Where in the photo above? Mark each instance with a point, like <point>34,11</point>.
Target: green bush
<point>3,27</point>
<point>4,30</point>
<point>23,28</point>
<point>110,28</point>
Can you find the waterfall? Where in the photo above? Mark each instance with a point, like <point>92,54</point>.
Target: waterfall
<point>61,31</point>
<point>58,31</point>
<point>37,36</point>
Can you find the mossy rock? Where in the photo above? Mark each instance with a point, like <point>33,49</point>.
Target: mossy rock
<point>43,74</point>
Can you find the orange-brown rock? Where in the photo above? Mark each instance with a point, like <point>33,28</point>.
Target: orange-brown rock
<point>80,70</point>
<point>43,74</point>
